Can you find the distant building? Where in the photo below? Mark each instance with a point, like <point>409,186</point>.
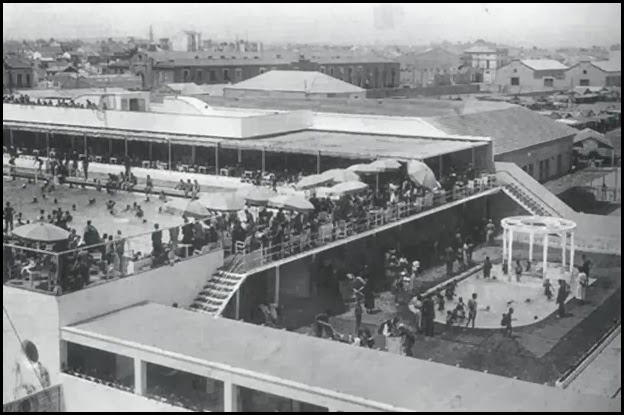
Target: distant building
<point>294,84</point>
<point>161,68</point>
<point>487,59</point>
<point>432,67</point>
<point>17,74</point>
<point>599,73</point>
<point>531,75</point>
<point>66,80</point>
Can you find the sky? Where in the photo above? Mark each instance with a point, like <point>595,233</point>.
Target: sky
<point>537,24</point>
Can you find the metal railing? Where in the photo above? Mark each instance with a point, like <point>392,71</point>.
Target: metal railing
<point>331,232</point>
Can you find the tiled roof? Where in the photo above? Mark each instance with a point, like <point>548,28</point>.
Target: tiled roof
<point>544,64</point>
<point>15,63</point>
<point>510,129</point>
<point>297,81</point>
<point>480,49</point>
<point>589,133</point>
<point>609,66</point>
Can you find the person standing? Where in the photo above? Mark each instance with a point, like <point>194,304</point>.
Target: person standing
<point>583,282</point>
<point>518,271</point>
<point>586,265</point>
<point>562,295</point>
<point>506,323</point>
<point>490,228</point>
<point>85,168</point>
<point>358,316</point>
<point>9,211</point>
<point>415,307</point>
<point>487,268</point>
<point>472,310</point>
<point>156,240</point>
<point>428,316</point>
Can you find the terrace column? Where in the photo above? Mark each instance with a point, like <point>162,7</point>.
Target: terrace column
<point>263,162</point>
<point>318,163</point>
<point>545,254</point>
<point>564,241</point>
<point>110,147</point>
<point>217,159</point>
<point>230,397</point>
<point>140,377</point>
<point>531,243</point>
<point>150,151</point>
<point>47,144</point>
<point>440,166</point>
<point>277,284</point>
<point>510,253</point>
<point>126,146</point>
<point>193,151</point>
<point>86,144</point>
<point>240,155</point>
<point>169,153</point>
<point>11,137</point>
<point>73,142</point>
<point>237,305</point>
<point>572,248</point>
<point>63,354</point>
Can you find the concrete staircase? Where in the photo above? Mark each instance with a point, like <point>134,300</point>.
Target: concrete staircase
<point>220,288</point>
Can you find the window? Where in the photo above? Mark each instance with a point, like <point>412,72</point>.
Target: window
<point>226,75</point>
<point>213,76</point>
<point>541,170</point>
<point>559,164</point>
<point>238,74</point>
<point>584,82</point>
<point>331,70</point>
<point>341,72</point>
<point>515,81</point>
<point>262,70</point>
<point>547,169</point>
<point>530,170</point>
<point>186,74</point>
<point>27,79</point>
<point>19,79</point>
<point>199,75</point>
<point>549,82</point>
<point>584,71</point>
<point>515,70</point>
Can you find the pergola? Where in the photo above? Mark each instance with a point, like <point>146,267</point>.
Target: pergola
<point>541,226</point>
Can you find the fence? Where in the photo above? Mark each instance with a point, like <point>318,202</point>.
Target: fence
<point>58,272</point>
<point>47,400</point>
<point>330,232</point>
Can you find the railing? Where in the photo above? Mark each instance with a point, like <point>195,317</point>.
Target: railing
<point>530,193</point>
<point>328,233</point>
<point>47,400</point>
<point>595,244</point>
<point>59,272</point>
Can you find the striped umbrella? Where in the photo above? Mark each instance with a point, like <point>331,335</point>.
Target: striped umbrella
<point>421,174</point>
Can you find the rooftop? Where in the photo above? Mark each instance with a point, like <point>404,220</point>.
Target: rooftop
<point>609,66</point>
<point>323,365</point>
<point>544,64</point>
<point>356,145</point>
<point>297,81</point>
<point>480,49</point>
<point>589,133</point>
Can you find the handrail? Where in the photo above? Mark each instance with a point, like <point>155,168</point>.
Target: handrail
<point>531,192</point>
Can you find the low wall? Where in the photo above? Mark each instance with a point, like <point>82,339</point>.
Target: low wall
<point>179,283</point>
<point>423,91</point>
<point>80,395</point>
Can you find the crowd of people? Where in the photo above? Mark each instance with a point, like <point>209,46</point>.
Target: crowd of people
<point>24,99</point>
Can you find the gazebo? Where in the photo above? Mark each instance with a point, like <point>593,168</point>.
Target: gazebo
<point>541,226</point>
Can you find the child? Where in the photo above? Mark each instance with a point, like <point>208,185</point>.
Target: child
<point>461,309</point>
<point>548,289</point>
<point>518,271</point>
<point>440,299</point>
<point>450,320</point>
<point>487,268</point>
<point>506,322</point>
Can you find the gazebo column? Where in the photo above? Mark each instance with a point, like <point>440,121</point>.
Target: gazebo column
<point>504,243</point>
<point>572,251</point>
<point>545,255</point>
<point>510,252</point>
<point>531,243</point>
<point>564,241</point>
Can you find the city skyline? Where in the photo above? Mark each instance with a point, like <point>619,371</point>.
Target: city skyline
<point>543,25</point>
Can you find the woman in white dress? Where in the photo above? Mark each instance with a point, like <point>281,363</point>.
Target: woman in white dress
<point>583,282</point>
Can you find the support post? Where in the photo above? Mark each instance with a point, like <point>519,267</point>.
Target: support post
<point>217,159</point>
<point>472,150</point>
<point>126,146</point>
<point>564,241</point>
<point>86,145</point>
<point>545,255</point>
<point>230,397</point>
<point>63,354</point>
<point>263,162</point>
<point>11,140</point>
<point>440,166</point>
<point>277,284</point>
<point>318,163</point>
<point>193,154</point>
<point>572,248</point>
<point>531,243</point>
<point>47,144</point>
<point>140,376</point>
<point>169,152</point>
<point>510,253</point>
<point>239,155</point>
<point>150,151</point>
<point>237,308</point>
<point>110,147</point>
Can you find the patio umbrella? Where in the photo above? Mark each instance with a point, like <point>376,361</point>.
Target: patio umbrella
<point>348,188</point>
<point>291,202</point>
<point>364,169</point>
<point>341,175</point>
<point>421,174</point>
<point>41,232</point>
<point>193,209</point>
<point>309,182</point>
<point>258,195</point>
<point>386,164</point>
<point>223,202</point>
